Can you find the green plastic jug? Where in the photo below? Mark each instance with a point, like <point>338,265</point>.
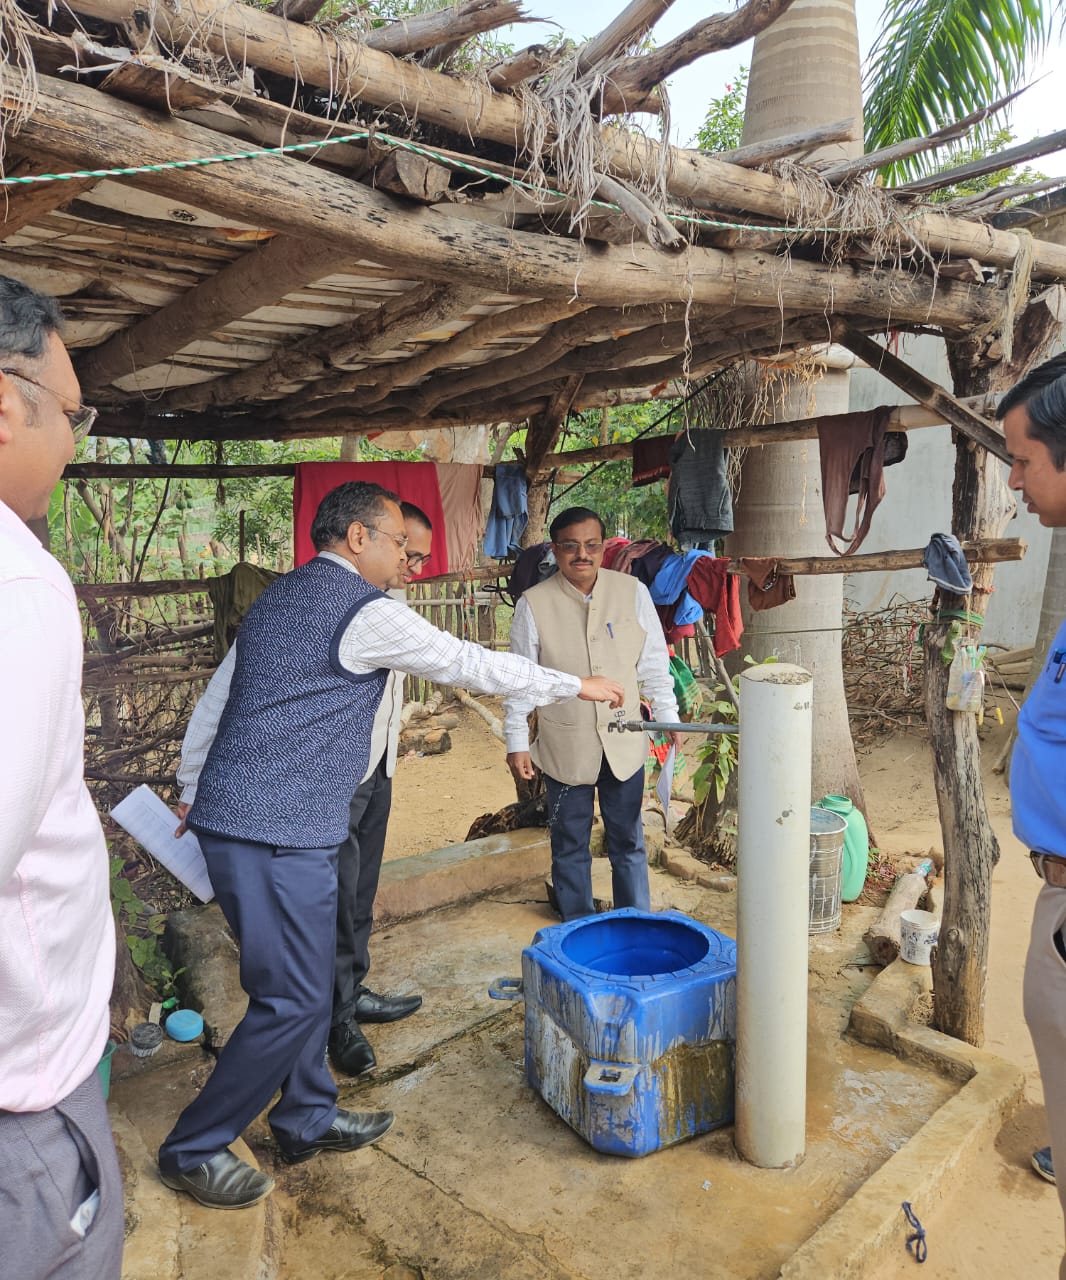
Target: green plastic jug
<point>856,845</point>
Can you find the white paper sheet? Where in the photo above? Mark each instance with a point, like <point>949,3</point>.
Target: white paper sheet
<point>666,782</point>
<point>152,824</point>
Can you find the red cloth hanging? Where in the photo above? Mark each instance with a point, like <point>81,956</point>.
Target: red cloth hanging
<point>719,593</point>
<point>611,549</point>
<point>414,481</point>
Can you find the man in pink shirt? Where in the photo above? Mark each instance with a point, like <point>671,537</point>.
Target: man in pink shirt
<point>61,1211</point>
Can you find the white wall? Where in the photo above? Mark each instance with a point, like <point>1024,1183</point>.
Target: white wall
<point>918,503</point>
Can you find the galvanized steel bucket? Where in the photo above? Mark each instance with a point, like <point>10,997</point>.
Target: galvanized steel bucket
<point>826,864</point>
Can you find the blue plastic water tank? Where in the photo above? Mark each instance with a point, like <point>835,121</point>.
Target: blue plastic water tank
<point>631,1027</point>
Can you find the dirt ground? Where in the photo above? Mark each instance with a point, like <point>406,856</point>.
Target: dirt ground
<point>1000,1219</point>
<point>436,798</point>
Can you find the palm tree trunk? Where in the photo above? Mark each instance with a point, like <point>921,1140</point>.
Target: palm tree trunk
<point>804,72</point>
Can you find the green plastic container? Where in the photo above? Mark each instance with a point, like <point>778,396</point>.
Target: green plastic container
<point>856,845</point>
<point>103,1069</point>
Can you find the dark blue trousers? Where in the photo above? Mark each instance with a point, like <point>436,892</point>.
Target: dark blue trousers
<point>570,817</point>
<point>358,872</point>
<point>282,907</point>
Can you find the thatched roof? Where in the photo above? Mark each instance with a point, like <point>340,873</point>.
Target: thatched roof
<point>483,245</point>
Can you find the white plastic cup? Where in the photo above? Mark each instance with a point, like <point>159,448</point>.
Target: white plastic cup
<point>918,933</point>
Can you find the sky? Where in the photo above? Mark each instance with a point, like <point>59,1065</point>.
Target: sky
<point>1040,110</point>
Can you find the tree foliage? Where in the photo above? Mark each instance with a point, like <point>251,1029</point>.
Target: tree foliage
<point>607,487</point>
<point>724,122</point>
<point>936,61</point>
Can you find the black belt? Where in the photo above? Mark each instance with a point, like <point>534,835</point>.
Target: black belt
<point>1050,867</point>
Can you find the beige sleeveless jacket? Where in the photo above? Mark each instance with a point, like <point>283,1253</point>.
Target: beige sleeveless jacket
<point>600,636</point>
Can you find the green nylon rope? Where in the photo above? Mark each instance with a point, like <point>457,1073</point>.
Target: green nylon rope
<point>363,135</point>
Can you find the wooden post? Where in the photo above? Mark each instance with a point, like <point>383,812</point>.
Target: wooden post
<point>981,507</point>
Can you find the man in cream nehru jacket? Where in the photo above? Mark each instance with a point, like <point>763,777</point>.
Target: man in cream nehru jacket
<point>588,620</point>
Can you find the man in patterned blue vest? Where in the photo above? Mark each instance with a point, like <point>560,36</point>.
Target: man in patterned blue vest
<point>276,759</point>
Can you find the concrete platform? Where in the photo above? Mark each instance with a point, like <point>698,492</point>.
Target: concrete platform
<point>479,1178</point>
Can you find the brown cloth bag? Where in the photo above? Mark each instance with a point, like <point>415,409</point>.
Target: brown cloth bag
<point>766,587</point>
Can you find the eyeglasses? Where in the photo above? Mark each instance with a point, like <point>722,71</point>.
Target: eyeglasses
<point>81,419</point>
<point>572,548</point>
<point>417,562</point>
<point>399,538</point>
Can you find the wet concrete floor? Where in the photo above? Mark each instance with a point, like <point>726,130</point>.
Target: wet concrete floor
<point>479,1178</point>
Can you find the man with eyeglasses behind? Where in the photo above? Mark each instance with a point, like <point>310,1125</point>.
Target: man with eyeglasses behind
<point>590,621</point>
<point>359,857</point>
<point>269,767</point>
<point>1034,422</point>
<point>61,1211</point>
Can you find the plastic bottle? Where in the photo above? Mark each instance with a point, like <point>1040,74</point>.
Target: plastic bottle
<point>856,845</point>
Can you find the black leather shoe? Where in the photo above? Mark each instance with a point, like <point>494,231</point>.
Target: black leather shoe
<point>349,1131</point>
<point>349,1050</point>
<point>223,1182</point>
<point>370,1007</point>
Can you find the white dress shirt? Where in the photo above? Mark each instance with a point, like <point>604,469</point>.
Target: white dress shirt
<point>57,935</point>
<point>386,633</point>
<point>653,668</point>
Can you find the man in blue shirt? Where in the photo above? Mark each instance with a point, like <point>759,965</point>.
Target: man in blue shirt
<point>1034,420</point>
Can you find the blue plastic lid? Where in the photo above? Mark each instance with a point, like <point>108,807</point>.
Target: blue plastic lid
<point>184,1024</point>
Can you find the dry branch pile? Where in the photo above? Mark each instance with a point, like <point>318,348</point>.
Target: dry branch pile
<point>882,659</point>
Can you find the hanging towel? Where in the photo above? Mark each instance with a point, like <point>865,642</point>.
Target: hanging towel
<point>946,563</point>
<point>668,586</point>
<point>645,567</point>
<point>766,587</point>
<point>508,514</point>
<point>651,459</point>
<point>460,495</point>
<point>611,548</point>
<point>232,595</point>
<point>848,443</point>
<point>533,565</point>
<point>698,497</point>
<point>718,592</point>
<point>625,556</point>
<point>414,481</point>
<point>895,451</point>
<point>674,634</point>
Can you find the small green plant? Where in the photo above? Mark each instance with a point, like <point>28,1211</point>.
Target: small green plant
<point>718,755</point>
<point>724,122</point>
<point>142,929</point>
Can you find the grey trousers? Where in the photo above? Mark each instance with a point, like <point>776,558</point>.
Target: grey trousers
<point>1045,1012</point>
<point>51,1162</point>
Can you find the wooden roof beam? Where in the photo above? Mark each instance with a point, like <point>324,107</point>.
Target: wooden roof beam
<point>792,144</point>
<point>23,205</point>
<point>561,338</point>
<point>299,199</point>
<point>964,419</point>
<point>524,65</point>
<point>375,384</point>
<point>246,35</point>
<point>259,278</point>
<point>396,321</point>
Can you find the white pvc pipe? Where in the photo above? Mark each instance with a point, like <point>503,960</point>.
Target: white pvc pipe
<point>773,853</point>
